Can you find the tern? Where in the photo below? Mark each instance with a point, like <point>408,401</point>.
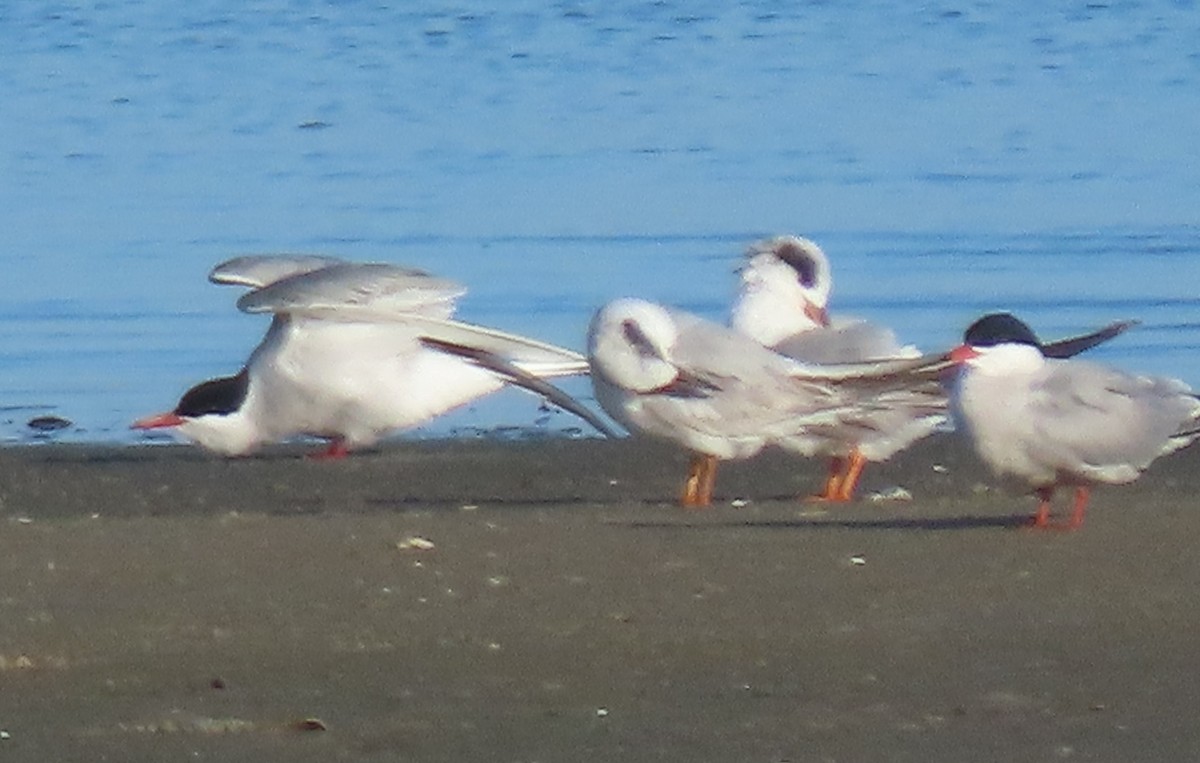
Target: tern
<point>355,351</point>
<point>673,375</point>
<point>782,303</point>
<point>1050,423</point>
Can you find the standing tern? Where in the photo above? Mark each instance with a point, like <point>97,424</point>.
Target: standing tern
<point>1052,423</point>
<point>673,375</point>
<point>782,303</point>
<point>354,352</point>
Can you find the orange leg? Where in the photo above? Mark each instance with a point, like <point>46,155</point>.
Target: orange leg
<point>702,476</point>
<point>710,480</point>
<point>1081,501</point>
<point>833,483</point>
<point>337,450</point>
<point>854,467</point>
<point>1041,520</point>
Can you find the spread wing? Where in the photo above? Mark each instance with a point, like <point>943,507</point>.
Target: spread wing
<point>540,359</point>
<point>348,291</point>
<point>518,376</point>
<point>258,270</point>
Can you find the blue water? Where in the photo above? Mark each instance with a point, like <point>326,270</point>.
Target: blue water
<point>952,158</point>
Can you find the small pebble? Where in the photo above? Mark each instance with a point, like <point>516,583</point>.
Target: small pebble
<point>895,493</point>
<point>48,423</point>
<point>415,543</point>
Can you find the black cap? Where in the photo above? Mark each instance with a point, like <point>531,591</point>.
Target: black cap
<point>1000,328</point>
<point>220,396</point>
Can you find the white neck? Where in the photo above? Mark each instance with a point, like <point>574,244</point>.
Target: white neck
<point>1006,360</point>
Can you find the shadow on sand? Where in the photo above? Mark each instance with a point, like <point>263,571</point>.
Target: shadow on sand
<point>922,524</point>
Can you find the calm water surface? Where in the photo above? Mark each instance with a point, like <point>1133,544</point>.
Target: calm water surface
<point>951,159</point>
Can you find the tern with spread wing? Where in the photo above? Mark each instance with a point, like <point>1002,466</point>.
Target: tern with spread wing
<point>675,376</point>
<point>1050,423</point>
<point>782,303</point>
<point>354,352</point>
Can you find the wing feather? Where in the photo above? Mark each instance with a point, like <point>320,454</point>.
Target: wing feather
<point>1104,421</point>
<point>356,292</point>
<point>258,270</point>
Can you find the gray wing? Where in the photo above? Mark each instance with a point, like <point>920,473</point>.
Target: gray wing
<point>709,352</point>
<point>731,389</point>
<point>356,292</point>
<point>735,419</point>
<point>741,387</point>
<point>845,343</point>
<point>887,421</point>
<point>717,362</point>
<point>898,373</point>
<point>258,270</point>
<point>515,375</point>
<point>718,356</point>
<point>1101,421</point>
<point>531,356</point>
<point>884,406</point>
<point>730,395</point>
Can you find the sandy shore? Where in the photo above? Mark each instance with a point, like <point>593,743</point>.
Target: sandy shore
<point>158,604</point>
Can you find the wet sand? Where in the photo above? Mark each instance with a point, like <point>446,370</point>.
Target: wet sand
<point>159,604</point>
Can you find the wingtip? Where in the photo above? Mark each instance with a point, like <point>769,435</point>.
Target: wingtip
<point>518,377</point>
<point>258,270</point>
